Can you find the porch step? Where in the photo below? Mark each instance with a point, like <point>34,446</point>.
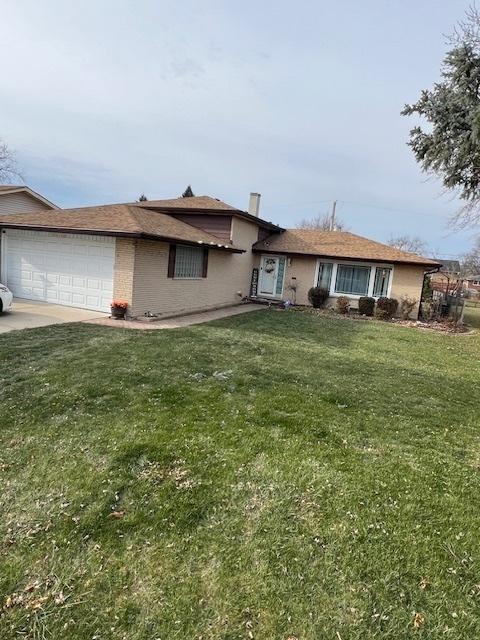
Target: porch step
<point>271,302</point>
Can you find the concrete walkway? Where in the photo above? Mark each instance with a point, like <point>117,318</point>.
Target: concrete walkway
<point>27,314</point>
<point>180,321</point>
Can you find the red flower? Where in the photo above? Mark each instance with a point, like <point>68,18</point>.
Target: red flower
<point>119,304</point>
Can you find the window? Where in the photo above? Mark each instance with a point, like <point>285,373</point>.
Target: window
<point>382,280</point>
<point>352,279</point>
<point>324,275</point>
<point>187,262</point>
<point>280,274</point>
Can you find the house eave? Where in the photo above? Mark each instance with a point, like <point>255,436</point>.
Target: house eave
<point>32,193</point>
<point>124,234</point>
<point>300,254</point>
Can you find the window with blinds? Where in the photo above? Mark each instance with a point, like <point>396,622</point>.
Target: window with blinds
<point>324,278</point>
<point>382,281</point>
<point>352,279</point>
<point>189,262</point>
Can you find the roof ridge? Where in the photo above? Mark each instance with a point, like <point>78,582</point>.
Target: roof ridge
<point>377,242</point>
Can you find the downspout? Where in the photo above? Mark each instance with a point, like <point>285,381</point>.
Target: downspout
<point>427,273</point>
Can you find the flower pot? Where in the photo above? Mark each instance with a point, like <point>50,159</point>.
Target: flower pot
<point>118,313</point>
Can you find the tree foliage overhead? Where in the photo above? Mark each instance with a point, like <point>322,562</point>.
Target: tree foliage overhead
<point>321,223</point>
<point>188,193</point>
<point>412,244</point>
<point>450,147</point>
<point>8,165</point>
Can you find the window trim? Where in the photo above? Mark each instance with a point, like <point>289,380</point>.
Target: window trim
<point>354,263</point>
<point>172,255</point>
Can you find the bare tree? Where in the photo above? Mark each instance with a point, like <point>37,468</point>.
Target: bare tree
<point>412,244</point>
<point>8,165</point>
<point>470,262</point>
<point>467,31</point>
<point>321,223</point>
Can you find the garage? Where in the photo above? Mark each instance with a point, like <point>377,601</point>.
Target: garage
<point>75,270</point>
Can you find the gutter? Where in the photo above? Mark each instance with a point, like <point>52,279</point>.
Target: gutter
<point>125,234</point>
<point>330,257</point>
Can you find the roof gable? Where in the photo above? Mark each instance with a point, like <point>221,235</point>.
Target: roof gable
<point>10,188</point>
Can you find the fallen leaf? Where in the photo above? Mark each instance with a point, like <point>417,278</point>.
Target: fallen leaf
<point>418,620</point>
<point>116,514</point>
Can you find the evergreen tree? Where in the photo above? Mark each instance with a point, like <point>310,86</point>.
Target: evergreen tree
<point>188,193</point>
<point>450,148</point>
<point>142,198</point>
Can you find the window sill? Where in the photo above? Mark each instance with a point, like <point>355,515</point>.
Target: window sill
<point>192,278</point>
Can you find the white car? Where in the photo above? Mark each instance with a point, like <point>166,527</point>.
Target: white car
<point>6,298</point>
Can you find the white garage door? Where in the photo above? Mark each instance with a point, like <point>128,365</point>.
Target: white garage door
<point>70,269</point>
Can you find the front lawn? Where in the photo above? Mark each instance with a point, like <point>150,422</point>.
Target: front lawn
<point>272,475</point>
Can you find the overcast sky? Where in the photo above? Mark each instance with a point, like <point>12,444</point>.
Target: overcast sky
<point>301,101</point>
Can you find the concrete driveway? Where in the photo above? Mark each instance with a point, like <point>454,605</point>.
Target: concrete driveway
<point>27,314</point>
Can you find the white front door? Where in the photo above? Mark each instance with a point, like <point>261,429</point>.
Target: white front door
<point>70,269</point>
<point>271,276</point>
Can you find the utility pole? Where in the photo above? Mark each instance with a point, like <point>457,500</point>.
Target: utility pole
<point>332,219</point>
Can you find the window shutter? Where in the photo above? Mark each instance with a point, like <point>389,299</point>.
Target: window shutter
<point>205,262</point>
<point>171,261</point>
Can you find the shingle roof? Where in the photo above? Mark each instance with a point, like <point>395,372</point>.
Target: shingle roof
<point>451,266</point>
<point>195,202</point>
<point>115,219</point>
<point>203,204</point>
<point>337,244</point>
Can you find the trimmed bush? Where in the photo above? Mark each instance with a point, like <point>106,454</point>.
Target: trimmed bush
<point>343,305</point>
<point>317,296</point>
<point>366,305</point>
<point>386,308</point>
<point>407,305</point>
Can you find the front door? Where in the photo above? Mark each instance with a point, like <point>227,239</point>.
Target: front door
<point>271,276</point>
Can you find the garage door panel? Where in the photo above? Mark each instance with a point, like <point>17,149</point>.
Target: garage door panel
<point>65,269</point>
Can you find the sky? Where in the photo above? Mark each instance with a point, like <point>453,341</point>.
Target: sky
<point>104,100</point>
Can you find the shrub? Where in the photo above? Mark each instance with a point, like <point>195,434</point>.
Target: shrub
<point>366,305</point>
<point>407,305</point>
<point>343,304</point>
<point>386,308</point>
<point>317,296</point>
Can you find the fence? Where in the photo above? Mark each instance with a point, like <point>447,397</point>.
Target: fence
<point>443,306</point>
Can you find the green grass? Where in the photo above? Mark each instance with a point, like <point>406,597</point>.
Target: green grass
<point>324,485</point>
<point>472,315</point>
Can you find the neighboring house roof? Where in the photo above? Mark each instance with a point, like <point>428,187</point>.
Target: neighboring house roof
<point>451,266</point>
<point>11,188</point>
<point>117,220</point>
<point>204,204</point>
<point>473,278</point>
<point>337,244</point>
